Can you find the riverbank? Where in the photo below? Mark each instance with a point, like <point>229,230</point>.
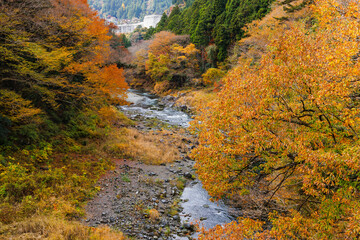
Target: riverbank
<point>131,193</point>
<point>132,190</point>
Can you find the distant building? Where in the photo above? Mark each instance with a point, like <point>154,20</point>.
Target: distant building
<point>149,21</point>
<point>128,28</point>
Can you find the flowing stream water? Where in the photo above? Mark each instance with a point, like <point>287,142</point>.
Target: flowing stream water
<point>196,203</point>
<point>148,106</point>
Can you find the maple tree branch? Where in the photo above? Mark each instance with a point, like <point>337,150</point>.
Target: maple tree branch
<point>296,121</point>
<point>303,203</point>
<point>328,121</point>
<point>251,161</point>
<point>304,108</point>
<point>304,115</point>
<point>338,118</point>
<point>286,175</point>
<point>13,80</point>
<point>285,104</point>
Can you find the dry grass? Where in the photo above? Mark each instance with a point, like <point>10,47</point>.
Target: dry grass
<point>197,99</point>
<point>111,116</point>
<point>42,227</point>
<point>162,88</point>
<point>148,147</point>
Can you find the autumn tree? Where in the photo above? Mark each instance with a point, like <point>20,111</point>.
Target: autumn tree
<point>162,43</point>
<point>283,134</point>
<point>57,85</point>
<point>212,76</point>
<point>54,56</point>
<point>170,61</point>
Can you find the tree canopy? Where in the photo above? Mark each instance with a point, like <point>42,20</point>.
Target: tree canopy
<point>171,62</point>
<point>283,133</point>
<point>55,60</point>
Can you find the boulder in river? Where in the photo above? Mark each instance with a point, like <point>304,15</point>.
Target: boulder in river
<point>189,226</point>
<point>188,175</point>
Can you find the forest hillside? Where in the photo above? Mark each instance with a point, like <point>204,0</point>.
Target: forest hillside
<point>217,22</point>
<point>129,9</point>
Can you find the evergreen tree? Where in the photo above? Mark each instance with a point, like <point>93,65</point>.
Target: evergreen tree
<point>219,7</point>
<point>174,22</point>
<point>149,33</point>
<point>222,41</point>
<point>214,21</point>
<point>162,25</point>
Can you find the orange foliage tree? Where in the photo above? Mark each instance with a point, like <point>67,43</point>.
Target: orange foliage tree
<point>54,55</point>
<point>94,52</point>
<point>162,43</point>
<point>171,62</point>
<point>212,76</point>
<point>284,133</point>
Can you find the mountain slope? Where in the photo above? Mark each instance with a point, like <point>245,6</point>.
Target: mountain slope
<point>128,9</point>
<point>218,22</point>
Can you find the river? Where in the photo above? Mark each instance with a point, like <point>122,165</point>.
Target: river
<point>195,200</point>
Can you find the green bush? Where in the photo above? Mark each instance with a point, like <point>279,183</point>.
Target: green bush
<point>16,182</point>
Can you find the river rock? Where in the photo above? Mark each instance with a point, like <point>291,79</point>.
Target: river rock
<point>169,98</point>
<point>148,228</point>
<point>188,226</point>
<point>184,108</point>
<point>188,175</point>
